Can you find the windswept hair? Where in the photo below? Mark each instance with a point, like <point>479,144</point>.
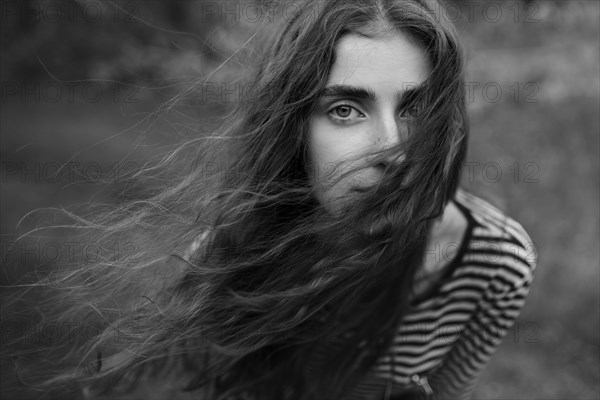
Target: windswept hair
<point>243,278</point>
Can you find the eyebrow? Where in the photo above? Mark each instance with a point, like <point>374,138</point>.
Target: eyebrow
<point>358,92</point>
<point>349,91</point>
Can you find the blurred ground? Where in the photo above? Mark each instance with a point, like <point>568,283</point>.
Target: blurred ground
<point>551,139</point>
<point>535,85</point>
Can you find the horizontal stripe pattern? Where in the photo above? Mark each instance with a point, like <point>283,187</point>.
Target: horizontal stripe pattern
<point>450,336</point>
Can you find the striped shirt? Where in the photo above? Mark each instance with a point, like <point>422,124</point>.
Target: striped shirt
<point>447,338</point>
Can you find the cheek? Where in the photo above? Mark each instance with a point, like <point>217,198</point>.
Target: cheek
<point>329,152</point>
<point>329,146</point>
<point>323,150</point>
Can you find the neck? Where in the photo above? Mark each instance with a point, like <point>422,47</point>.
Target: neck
<point>445,235</point>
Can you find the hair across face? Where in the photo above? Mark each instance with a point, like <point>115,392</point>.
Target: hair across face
<point>363,111</point>
<point>281,145</point>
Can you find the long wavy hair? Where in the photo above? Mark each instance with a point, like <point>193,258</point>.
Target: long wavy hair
<point>242,277</point>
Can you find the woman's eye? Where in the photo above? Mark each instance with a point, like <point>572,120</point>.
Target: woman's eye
<point>345,113</point>
<point>410,112</point>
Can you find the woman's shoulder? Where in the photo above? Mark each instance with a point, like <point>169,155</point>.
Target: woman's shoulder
<point>496,238</point>
<point>493,223</point>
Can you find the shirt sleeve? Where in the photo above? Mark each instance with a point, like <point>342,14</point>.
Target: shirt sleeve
<point>457,376</point>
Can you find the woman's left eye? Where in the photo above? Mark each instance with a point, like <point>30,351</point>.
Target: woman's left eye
<point>345,113</point>
<point>410,112</point>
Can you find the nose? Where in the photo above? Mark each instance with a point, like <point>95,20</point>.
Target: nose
<point>392,131</point>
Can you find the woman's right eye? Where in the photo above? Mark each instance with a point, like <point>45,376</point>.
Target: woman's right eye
<point>345,113</point>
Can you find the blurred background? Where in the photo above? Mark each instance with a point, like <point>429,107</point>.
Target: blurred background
<point>91,90</point>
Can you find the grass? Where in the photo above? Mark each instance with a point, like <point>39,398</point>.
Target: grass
<point>552,352</point>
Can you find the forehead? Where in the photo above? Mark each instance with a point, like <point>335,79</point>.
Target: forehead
<point>385,63</point>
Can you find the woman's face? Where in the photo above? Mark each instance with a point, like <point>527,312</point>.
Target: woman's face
<point>360,111</point>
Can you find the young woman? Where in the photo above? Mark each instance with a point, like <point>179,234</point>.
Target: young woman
<point>335,259</point>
